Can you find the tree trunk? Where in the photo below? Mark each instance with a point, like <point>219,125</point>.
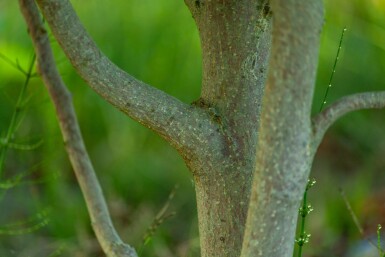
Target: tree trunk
<point>250,163</point>
<point>235,39</point>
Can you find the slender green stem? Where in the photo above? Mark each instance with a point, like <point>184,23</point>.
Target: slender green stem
<point>305,208</point>
<point>303,212</point>
<point>303,221</point>
<point>333,70</point>
<point>16,114</point>
<point>300,251</point>
<point>380,252</point>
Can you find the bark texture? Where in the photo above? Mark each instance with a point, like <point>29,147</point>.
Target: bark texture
<point>235,38</point>
<point>186,127</point>
<point>284,152</point>
<point>249,139</point>
<point>217,134</point>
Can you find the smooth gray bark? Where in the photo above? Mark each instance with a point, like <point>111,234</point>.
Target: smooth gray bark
<point>235,38</point>
<point>322,121</point>
<point>217,134</point>
<point>284,151</point>
<point>184,126</point>
<point>249,140</point>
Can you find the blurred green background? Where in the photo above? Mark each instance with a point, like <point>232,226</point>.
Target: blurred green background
<point>157,42</point>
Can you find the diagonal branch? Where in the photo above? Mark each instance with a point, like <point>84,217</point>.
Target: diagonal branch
<point>151,107</point>
<point>92,192</point>
<point>323,120</point>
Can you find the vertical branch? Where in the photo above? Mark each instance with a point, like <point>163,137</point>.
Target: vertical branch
<point>284,143</point>
<point>235,38</point>
<point>97,207</point>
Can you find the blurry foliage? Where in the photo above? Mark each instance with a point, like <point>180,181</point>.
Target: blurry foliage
<point>157,42</point>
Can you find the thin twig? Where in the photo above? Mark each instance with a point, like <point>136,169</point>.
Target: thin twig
<point>354,217</point>
<point>89,184</point>
<point>160,218</point>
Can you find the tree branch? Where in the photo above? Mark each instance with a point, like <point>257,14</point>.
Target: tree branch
<point>97,207</point>
<point>151,107</point>
<point>323,120</point>
<point>283,152</point>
